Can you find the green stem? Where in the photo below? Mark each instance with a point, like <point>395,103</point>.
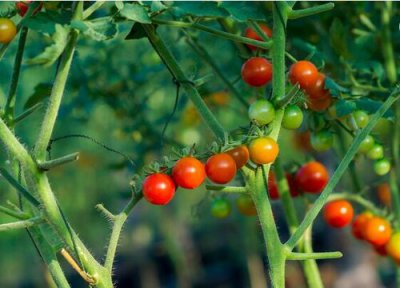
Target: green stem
<point>9,108</point>
<point>295,14</point>
<point>320,202</point>
<point>314,255</point>
<point>310,267</point>
<point>216,32</point>
<point>91,9</point>
<point>229,26</point>
<point>47,165</point>
<point>21,224</point>
<point>16,214</point>
<point>26,113</point>
<point>227,189</point>
<point>176,71</point>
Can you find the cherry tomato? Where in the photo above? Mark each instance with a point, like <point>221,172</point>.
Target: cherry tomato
<point>23,6</point>
<point>338,213</point>
<point>240,154</point>
<point>257,71</point>
<point>219,98</point>
<point>322,140</point>
<point>303,73</point>
<point>8,30</point>
<point>221,208</point>
<point>245,205</point>
<point>272,186</point>
<point>312,177</point>
<point>377,231</point>
<point>303,141</point>
<point>381,250</point>
<point>158,189</point>
<point>221,168</point>
<point>292,118</point>
<point>317,90</point>
<point>359,224</point>
<point>393,247</point>
<point>376,152</point>
<point>382,166</point>
<point>262,112</point>
<point>361,119</point>
<point>188,173</point>
<point>319,105</point>
<point>366,144</point>
<point>250,33</point>
<point>263,150</point>
<point>384,194</point>
<point>294,192</point>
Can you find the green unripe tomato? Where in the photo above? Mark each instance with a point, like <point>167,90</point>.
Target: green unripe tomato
<point>262,112</point>
<point>366,144</point>
<point>361,119</point>
<point>382,166</point>
<point>292,117</point>
<point>376,152</point>
<point>220,208</point>
<point>322,140</point>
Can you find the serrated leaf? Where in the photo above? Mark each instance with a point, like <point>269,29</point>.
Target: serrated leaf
<point>52,52</point>
<point>371,106</point>
<point>199,9</point>
<point>99,29</point>
<point>344,107</point>
<point>337,33</point>
<point>136,13</point>
<point>42,91</point>
<point>45,22</point>
<point>137,32</point>
<point>334,88</point>
<point>242,11</point>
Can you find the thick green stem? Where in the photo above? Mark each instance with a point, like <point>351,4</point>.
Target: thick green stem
<point>21,224</point>
<point>310,267</point>
<point>176,71</point>
<point>227,189</point>
<point>47,165</point>
<point>314,255</point>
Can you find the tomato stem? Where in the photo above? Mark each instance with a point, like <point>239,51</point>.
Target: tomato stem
<point>295,14</point>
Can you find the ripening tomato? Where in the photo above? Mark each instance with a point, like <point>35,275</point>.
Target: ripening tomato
<point>304,73</point>
<point>317,90</point>
<point>188,173</point>
<point>23,6</point>
<point>303,141</point>
<point>321,104</point>
<point>221,168</point>
<point>257,71</point>
<point>8,30</point>
<point>272,186</point>
<point>245,205</point>
<point>221,208</point>
<point>322,140</point>
<point>250,33</point>
<point>358,226</point>
<point>393,247</point>
<point>240,154</point>
<point>263,150</point>
<point>292,117</point>
<point>338,213</point>
<point>384,194</point>
<point>261,112</point>
<point>377,231</point>
<point>382,166</point>
<point>158,189</point>
<point>312,177</point>
<point>366,144</point>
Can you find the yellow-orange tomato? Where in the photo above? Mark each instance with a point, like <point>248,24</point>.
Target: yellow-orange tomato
<point>384,194</point>
<point>246,206</point>
<point>219,98</point>
<point>377,231</point>
<point>393,247</point>
<point>263,150</point>
<point>8,30</point>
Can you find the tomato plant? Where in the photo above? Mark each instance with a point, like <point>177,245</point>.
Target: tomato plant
<point>220,208</point>
<point>221,168</point>
<point>312,177</point>
<point>188,173</point>
<point>304,73</point>
<point>240,155</point>
<point>377,231</point>
<point>322,140</point>
<point>250,33</point>
<point>359,225</point>
<point>8,30</point>
<point>262,112</point>
<point>263,150</point>
<point>257,71</point>
<point>292,118</point>
<point>246,206</point>
<point>338,213</point>
<point>158,189</point>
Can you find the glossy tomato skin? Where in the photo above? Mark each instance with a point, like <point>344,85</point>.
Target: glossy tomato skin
<point>272,186</point>
<point>257,71</point>
<point>221,208</point>
<point>8,30</point>
<point>382,166</point>
<point>292,117</point>
<point>263,150</point>
<point>221,168</point>
<point>158,189</point>
<point>359,224</point>
<point>393,247</point>
<point>189,173</point>
<point>339,213</point>
<point>23,6</point>
<point>245,205</point>
<point>261,112</point>
<point>317,90</point>
<point>361,119</point>
<point>312,177</point>
<point>376,152</point>
<point>240,154</point>
<point>366,144</point>
<point>250,33</point>
<point>304,73</point>
<point>377,231</point>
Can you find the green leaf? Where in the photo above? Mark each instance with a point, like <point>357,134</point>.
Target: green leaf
<point>334,88</point>
<point>157,6</point>
<point>52,52</point>
<point>119,4</point>
<point>344,107</point>
<point>371,106</point>
<point>338,38</point>
<point>99,29</point>
<point>370,68</point>
<point>136,13</point>
<point>7,9</point>
<point>42,91</point>
<point>200,9</point>
<point>242,11</point>
<point>45,22</point>
<point>137,32</point>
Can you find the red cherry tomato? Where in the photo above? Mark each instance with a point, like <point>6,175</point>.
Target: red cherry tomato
<point>240,155</point>
<point>158,189</point>
<point>221,168</point>
<point>188,173</point>
<point>294,192</point>
<point>257,71</point>
<point>312,177</point>
<point>338,213</point>
<point>250,33</point>
<point>320,104</point>
<point>23,6</point>
<point>304,73</point>
<point>377,231</point>
<point>358,226</point>
<point>317,90</point>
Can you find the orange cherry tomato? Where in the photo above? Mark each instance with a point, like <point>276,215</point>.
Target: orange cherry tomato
<point>339,213</point>
<point>240,154</point>
<point>304,73</point>
<point>377,231</point>
<point>263,150</point>
<point>384,194</point>
<point>358,226</point>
